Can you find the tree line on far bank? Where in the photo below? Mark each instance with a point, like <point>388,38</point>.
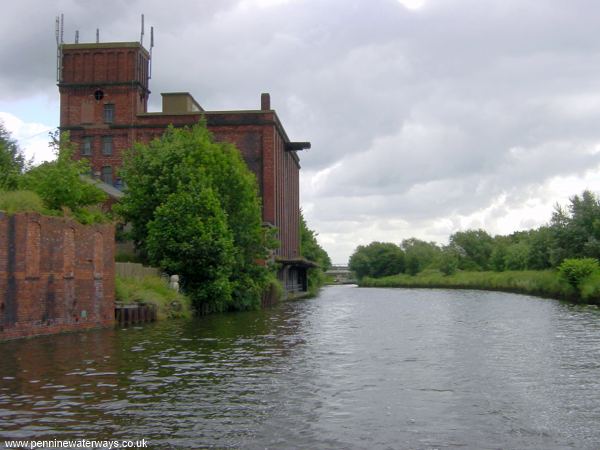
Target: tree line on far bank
<point>572,233</point>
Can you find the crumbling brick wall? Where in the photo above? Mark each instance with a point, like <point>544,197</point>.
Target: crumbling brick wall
<point>55,275</point>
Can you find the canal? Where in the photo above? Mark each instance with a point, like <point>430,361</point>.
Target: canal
<point>352,369</point>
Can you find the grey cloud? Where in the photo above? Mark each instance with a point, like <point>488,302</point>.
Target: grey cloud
<point>416,117</point>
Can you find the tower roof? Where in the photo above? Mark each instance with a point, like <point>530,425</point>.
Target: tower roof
<point>104,45</point>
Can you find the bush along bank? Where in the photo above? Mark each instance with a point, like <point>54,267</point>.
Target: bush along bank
<point>542,283</point>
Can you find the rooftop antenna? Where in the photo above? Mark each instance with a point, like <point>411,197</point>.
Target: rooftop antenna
<point>59,31</point>
<point>77,36</point>
<point>97,35</point>
<point>151,46</point>
<point>142,33</point>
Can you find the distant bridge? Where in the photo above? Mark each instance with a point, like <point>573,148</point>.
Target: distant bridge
<point>341,274</point>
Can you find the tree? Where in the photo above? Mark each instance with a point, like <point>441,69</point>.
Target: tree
<point>12,161</point>
<point>311,250</point>
<point>378,259</point>
<point>475,248</point>
<point>59,182</point>
<point>171,165</point>
<point>447,260</point>
<point>418,254</point>
<point>576,230</point>
<point>517,255</point>
<point>540,247</point>
<point>498,256</point>
<point>198,245</point>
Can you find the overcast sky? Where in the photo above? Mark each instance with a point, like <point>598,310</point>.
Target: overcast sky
<point>426,116</point>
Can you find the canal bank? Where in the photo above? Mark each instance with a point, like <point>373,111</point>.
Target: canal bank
<point>542,283</point>
<point>354,368</point>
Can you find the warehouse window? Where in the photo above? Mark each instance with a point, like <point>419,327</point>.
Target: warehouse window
<point>86,146</point>
<point>107,145</point>
<point>109,113</point>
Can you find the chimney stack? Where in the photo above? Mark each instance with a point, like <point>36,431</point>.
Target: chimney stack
<point>265,101</point>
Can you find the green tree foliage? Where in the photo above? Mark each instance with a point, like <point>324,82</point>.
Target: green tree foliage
<point>418,254</point>
<point>498,256</point>
<point>540,249</point>
<point>576,230</point>
<point>378,259</point>
<point>60,185</point>
<point>189,236</point>
<point>517,256</point>
<point>171,165</point>
<point>311,250</point>
<point>12,161</point>
<point>447,260</point>
<point>474,247</point>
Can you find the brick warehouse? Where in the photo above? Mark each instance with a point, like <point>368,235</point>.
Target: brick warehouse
<point>55,275</point>
<point>104,89</point>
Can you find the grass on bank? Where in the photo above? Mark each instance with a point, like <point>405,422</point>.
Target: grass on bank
<point>170,303</point>
<point>543,283</point>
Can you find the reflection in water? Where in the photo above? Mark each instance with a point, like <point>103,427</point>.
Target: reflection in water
<point>356,368</point>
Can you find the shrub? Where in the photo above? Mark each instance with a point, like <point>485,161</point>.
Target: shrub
<point>21,201</point>
<point>575,270</point>
<point>590,289</point>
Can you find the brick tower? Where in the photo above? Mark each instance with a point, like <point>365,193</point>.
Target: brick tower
<point>103,88</point>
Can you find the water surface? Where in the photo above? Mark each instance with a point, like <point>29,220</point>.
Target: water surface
<point>355,368</point>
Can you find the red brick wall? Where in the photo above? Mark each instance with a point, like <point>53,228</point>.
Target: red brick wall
<point>120,71</point>
<point>286,199</point>
<point>55,275</point>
